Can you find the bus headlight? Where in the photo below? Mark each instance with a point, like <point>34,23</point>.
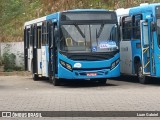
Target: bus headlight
<point>63,63</point>
<point>66,65</point>
<point>115,63</point>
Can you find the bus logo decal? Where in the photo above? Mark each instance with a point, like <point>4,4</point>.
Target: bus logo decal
<point>77,65</point>
<point>94,49</point>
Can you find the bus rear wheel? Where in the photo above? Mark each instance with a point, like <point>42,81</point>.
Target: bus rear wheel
<point>141,77</point>
<point>34,76</point>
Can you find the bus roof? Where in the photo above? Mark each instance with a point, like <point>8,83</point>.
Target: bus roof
<point>143,8</point>
<point>87,10</point>
<point>35,21</point>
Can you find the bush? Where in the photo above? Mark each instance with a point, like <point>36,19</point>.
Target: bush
<point>9,61</point>
<point>1,61</point>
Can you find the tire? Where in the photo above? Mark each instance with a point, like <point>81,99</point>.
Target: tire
<point>141,77</point>
<point>55,82</point>
<point>34,76</point>
<point>103,81</point>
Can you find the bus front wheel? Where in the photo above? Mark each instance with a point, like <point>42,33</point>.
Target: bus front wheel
<point>103,81</point>
<point>141,77</point>
<point>55,81</point>
<point>34,76</point>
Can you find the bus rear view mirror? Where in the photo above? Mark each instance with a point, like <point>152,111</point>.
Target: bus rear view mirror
<point>153,26</point>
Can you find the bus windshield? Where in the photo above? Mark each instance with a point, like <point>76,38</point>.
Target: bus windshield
<point>89,38</point>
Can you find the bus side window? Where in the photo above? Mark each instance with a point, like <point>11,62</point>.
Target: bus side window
<point>136,26</point>
<point>126,28</point>
<point>55,33</point>
<point>44,34</point>
<point>27,38</point>
<point>39,32</point>
<point>52,36</point>
<point>31,36</point>
<point>35,37</point>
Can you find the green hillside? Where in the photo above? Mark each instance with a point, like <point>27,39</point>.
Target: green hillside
<point>15,12</point>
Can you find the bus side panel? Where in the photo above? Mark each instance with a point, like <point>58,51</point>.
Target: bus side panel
<point>136,52</point>
<point>35,50</point>
<point>35,60</point>
<point>39,61</point>
<point>45,61</point>
<point>125,57</point>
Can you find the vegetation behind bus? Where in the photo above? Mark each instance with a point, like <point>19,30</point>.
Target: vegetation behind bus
<point>15,12</point>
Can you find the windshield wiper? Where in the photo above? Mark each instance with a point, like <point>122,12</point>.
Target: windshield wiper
<point>100,31</point>
<point>79,30</point>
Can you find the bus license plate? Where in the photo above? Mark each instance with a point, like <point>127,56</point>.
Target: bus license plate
<point>91,74</point>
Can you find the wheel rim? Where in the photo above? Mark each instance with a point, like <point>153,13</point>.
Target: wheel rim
<point>141,76</point>
<point>53,80</point>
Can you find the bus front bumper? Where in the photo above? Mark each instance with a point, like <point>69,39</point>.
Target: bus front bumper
<point>88,74</point>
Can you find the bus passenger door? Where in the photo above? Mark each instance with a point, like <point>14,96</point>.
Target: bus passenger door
<point>34,61</point>
<point>52,50</point>
<point>39,48</point>
<point>26,48</point>
<point>126,65</point>
<point>145,47</point>
<point>45,51</point>
<point>126,57</point>
<point>30,50</point>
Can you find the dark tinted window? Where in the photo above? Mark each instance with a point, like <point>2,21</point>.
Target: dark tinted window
<point>126,28</point>
<point>39,32</point>
<point>136,26</point>
<point>158,11</point>
<point>44,34</point>
<point>101,15</point>
<point>27,38</point>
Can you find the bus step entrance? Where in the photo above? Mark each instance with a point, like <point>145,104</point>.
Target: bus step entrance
<point>145,45</point>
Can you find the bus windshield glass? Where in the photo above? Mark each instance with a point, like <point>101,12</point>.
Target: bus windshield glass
<point>89,37</point>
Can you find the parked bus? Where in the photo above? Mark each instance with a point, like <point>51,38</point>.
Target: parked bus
<point>76,44</point>
<point>140,41</point>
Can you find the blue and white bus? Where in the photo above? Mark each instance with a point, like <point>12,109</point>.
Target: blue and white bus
<point>79,44</point>
<point>140,41</point>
